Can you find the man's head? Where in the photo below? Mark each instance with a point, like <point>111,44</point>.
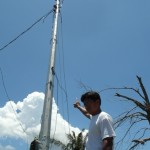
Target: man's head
<point>91,101</point>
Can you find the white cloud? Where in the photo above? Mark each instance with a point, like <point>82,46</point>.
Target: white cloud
<point>28,116</point>
<point>8,147</point>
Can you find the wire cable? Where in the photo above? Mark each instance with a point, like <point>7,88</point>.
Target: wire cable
<point>11,104</point>
<point>65,92</point>
<point>41,18</point>
<point>63,56</point>
<point>60,74</point>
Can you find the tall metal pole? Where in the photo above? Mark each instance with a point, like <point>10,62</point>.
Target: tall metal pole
<point>44,136</point>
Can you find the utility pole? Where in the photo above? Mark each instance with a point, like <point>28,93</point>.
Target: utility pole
<point>44,136</point>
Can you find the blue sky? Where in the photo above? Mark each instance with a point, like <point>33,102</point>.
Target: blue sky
<point>105,44</point>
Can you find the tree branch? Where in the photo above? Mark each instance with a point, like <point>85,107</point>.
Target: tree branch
<point>143,89</point>
<point>139,141</point>
<point>133,100</point>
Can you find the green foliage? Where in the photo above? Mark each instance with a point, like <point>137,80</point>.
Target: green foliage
<point>75,142</point>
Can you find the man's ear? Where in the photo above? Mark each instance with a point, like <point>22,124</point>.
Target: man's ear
<point>97,101</point>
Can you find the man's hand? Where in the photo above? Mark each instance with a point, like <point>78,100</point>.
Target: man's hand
<point>77,104</point>
<point>82,109</point>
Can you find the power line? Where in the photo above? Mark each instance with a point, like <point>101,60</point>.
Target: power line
<point>9,99</point>
<point>41,18</point>
<point>11,103</point>
<point>59,81</point>
<point>63,56</point>
<point>60,72</point>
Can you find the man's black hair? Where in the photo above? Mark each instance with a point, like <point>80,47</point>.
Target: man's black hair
<point>91,95</point>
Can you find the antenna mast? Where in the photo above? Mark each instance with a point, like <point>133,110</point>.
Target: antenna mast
<point>44,136</point>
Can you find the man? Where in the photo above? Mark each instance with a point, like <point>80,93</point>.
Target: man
<point>101,132</point>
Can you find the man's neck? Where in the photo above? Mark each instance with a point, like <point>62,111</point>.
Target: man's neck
<point>97,112</point>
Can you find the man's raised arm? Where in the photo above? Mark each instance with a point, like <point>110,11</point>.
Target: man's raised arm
<point>82,109</point>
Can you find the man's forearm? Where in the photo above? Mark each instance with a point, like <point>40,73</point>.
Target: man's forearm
<point>108,143</point>
<point>84,111</point>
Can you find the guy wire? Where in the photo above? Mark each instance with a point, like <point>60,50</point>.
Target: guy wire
<point>11,103</point>
<point>43,17</point>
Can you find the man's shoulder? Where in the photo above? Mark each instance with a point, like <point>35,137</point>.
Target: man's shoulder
<point>104,115</point>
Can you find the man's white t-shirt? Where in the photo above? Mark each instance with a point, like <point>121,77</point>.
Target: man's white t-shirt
<point>101,127</point>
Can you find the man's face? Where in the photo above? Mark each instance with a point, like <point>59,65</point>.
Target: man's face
<point>91,106</point>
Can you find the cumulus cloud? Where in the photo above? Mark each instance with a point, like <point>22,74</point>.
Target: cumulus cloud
<point>26,123</point>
